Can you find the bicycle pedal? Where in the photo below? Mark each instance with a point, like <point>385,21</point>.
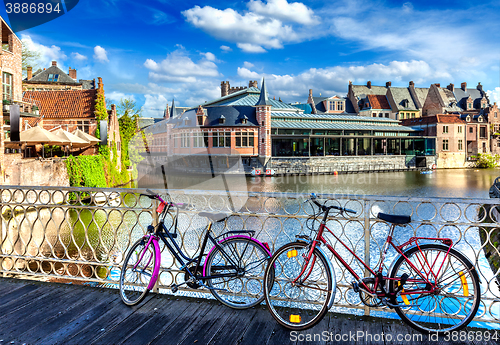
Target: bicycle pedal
<point>174,288</point>
<point>355,286</point>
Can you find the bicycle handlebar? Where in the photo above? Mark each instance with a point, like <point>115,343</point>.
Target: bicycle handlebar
<point>325,208</point>
<point>152,195</point>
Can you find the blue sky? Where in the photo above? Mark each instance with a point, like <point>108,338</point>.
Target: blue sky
<point>157,50</point>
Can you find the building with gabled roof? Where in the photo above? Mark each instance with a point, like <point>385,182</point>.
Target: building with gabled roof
<point>54,78</point>
<point>402,103</point>
<point>376,106</point>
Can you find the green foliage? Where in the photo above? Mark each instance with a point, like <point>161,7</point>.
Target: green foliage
<point>100,112</point>
<point>86,171</point>
<point>486,160</point>
<point>128,116</point>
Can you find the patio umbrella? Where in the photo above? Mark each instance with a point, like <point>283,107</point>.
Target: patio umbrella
<point>87,137</point>
<point>74,140</point>
<point>38,135</point>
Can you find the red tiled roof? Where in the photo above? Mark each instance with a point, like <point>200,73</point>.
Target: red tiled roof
<point>378,102</point>
<point>441,118</point>
<point>32,121</point>
<point>65,104</point>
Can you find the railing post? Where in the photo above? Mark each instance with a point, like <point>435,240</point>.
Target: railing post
<point>366,210</point>
<point>155,224</point>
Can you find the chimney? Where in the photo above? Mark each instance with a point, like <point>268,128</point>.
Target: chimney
<point>100,86</point>
<point>253,83</point>
<point>369,84</point>
<point>166,114</point>
<point>451,87</point>
<point>411,84</point>
<point>54,63</point>
<point>437,84</point>
<point>463,86</point>
<point>388,84</point>
<point>30,72</point>
<point>479,87</point>
<point>72,73</point>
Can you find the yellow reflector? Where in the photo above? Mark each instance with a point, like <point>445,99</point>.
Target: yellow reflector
<point>295,318</point>
<point>405,299</point>
<point>464,283</point>
<point>292,254</point>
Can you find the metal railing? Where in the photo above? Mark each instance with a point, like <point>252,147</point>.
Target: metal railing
<point>83,234</point>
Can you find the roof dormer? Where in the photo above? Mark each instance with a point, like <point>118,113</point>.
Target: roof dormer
<point>470,103</point>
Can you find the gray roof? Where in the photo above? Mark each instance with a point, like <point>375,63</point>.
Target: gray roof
<point>144,122</point>
<point>400,95</point>
<point>87,84</point>
<point>462,97</point>
<point>263,98</point>
<point>338,126</point>
<point>232,115</point>
<point>361,91</point>
<point>450,102</point>
<point>43,76</point>
<point>337,118</point>
<point>421,94</point>
<point>248,97</point>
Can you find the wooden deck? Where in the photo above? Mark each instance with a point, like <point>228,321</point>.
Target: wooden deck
<point>50,313</point>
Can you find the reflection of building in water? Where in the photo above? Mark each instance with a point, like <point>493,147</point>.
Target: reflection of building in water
<point>247,123</point>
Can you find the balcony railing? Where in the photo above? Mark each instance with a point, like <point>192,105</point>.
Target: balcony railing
<point>27,107</point>
<point>83,234</point>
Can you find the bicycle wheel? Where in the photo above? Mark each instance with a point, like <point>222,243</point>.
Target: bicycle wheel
<point>243,260</point>
<point>302,304</point>
<point>137,271</point>
<point>455,301</point>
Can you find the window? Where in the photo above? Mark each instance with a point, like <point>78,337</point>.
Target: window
<point>471,130</point>
<point>221,139</point>
<point>445,129</point>
<point>445,145</point>
<point>200,120</point>
<point>402,116</point>
<point>495,113</point>
<point>412,115</point>
<point>460,145</point>
<point>7,85</point>
<point>244,139</point>
<point>459,129</point>
<point>331,106</point>
<point>469,105</point>
<point>198,140</point>
<point>53,77</point>
<point>482,132</point>
<point>386,114</point>
<point>340,106</point>
<point>185,139</point>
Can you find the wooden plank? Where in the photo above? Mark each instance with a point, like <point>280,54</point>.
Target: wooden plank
<point>219,314</point>
<point>164,314</point>
<point>68,328</point>
<point>234,328</point>
<point>259,330</point>
<point>8,285</point>
<point>316,334</point>
<point>46,306</point>
<point>69,307</point>
<point>279,335</point>
<point>16,296</point>
<point>106,322</point>
<point>184,323</point>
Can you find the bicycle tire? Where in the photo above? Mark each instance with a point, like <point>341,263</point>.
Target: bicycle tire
<point>246,290</point>
<point>456,302</point>
<point>298,307</point>
<point>134,282</point>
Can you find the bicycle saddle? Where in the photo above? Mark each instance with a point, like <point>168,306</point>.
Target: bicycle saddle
<point>394,219</point>
<point>214,217</point>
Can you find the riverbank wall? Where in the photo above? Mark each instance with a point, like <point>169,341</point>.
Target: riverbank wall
<point>349,164</point>
<point>19,171</point>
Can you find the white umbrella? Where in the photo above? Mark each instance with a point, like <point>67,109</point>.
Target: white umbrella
<point>38,135</point>
<point>87,137</point>
<point>73,139</point>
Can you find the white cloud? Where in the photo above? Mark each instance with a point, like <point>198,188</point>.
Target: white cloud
<point>47,54</point>
<point>226,48</point>
<point>150,88</point>
<point>78,56</point>
<point>117,96</point>
<point>247,64</point>
<point>494,95</point>
<point>251,31</point>
<point>100,54</point>
<point>209,56</point>
<point>154,106</point>
<point>281,9</point>
<point>178,67</point>
<point>245,73</point>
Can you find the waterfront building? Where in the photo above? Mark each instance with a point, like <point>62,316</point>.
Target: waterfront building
<point>269,133</point>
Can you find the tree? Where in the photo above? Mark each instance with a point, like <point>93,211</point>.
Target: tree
<point>128,115</point>
<point>29,58</point>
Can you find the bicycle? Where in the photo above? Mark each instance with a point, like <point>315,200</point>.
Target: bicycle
<point>235,263</point>
<point>431,286</point>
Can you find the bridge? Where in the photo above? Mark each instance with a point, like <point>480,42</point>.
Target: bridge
<point>52,313</point>
<point>80,235</point>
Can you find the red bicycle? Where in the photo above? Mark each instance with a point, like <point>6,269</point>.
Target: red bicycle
<point>431,286</point>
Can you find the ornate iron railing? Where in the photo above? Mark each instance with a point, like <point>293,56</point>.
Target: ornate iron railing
<point>82,234</point>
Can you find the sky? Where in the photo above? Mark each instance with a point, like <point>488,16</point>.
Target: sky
<point>153,51</point>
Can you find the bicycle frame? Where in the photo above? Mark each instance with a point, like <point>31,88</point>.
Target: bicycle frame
<point>379,279</point>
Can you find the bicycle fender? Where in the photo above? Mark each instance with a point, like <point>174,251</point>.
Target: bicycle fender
<point>332,273</point>
<point>156,270</point>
